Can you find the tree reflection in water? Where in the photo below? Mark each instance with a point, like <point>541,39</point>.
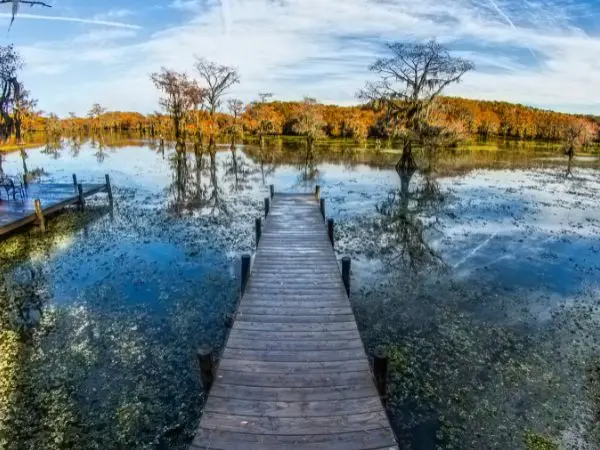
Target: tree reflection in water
<point>53,147</point>
<point>75,145</point>
<point>402,227</point>
<point>309,170</point>
<point>196,182</point>
<point>97,142</point>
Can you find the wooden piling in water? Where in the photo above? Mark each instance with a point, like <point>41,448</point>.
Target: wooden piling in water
<point>380,372</point>
<point>246,259</point>
<point>40,214</point>
<point>346,262</point>
<point>258,229</point>
<point>109,190</point>
<point>330,231</point>
<point>81,197</point>
<point>322,207</point>
<point>318,192</point>
<point>207,367</point>
<point>267,206</point>
<point>75,181</point>
<point>272,190</point>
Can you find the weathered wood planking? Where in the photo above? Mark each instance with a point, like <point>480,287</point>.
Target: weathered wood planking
<point>15,214</point>
<point>294,373</point>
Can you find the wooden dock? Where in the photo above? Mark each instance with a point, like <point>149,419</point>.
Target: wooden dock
<point>41,200</point>
<point>294,373</point>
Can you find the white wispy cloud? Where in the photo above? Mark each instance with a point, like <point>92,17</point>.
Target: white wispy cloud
<point>323,48</point>
<point>104,36</point>
<point>115,14</point>
<point>106,23</point>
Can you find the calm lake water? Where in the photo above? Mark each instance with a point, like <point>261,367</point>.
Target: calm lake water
<point>479,276</point>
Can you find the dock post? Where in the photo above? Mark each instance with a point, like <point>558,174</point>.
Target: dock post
<point>40,214</point>
<point>272,190</point>
<point>318,192</point>
<point>346,262</point>
<point>380,371</point>
<point>245,271</point>
<point>109,190</point>
<point>267,206</point>
<point>75,180</point>
<point>206,360</point>
<point>322,206</point>
<point>258,229</point>
<point>81,198</point>
<point>330,231</point>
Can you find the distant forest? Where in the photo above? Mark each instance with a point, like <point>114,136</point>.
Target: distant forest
<point>468,118</point>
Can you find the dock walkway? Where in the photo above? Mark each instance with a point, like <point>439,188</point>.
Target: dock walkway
<point>51,198</point>
<point>294,373</point>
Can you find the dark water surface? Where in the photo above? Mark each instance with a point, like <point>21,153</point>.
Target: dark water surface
<point>478,277</point>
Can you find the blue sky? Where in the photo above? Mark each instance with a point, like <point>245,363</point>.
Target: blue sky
<point>539,52</point>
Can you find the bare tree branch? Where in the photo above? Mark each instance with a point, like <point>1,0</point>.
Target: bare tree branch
<point>17,3</point>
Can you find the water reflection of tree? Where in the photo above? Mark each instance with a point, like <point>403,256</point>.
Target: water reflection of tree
<point>199,188</point>
<point>53,147</point>
<point>402,228</point>
<point>266,162</point>
<point>75,146</point>
<point>264,157</point>
<point>239,171</point>
<point>309,169</point>
<point>179,164</point>
<point>97,142</point>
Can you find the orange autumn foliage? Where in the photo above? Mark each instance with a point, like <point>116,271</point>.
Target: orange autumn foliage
<point>465,117</point>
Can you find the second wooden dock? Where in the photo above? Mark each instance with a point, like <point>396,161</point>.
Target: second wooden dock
<point>39,200</point>
<point>294,373</point>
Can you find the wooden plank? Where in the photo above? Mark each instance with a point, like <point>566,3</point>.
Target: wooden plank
<point>296,425</point>
<point>305,311</point>
<point>257,298</point>
<point>294,380</point>
<point>221,440</point>
<point>253,366</point>
<point>243,324</point>
<point>321,408</point>
<point>270,355</point>
<point>296,345</point>
<point>299,336</point>
<point>291,319</point>
<point>288,394</point>
<point>299,305</point>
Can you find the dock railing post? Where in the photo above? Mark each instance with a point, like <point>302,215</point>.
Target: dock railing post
<point>346,263</point>
<point>246,259</point>
<point>37,204</point>
<point>109,190</point>
<point>267,206</point>
<point>75,181</point>
<point>81,197</point>
<point>272,190</point>
<point>380,372</point>
<point>207,367</point>
<point>258,229</point>
<point>318,192</point>
<point>322,207</point>
<point>330,231</point>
